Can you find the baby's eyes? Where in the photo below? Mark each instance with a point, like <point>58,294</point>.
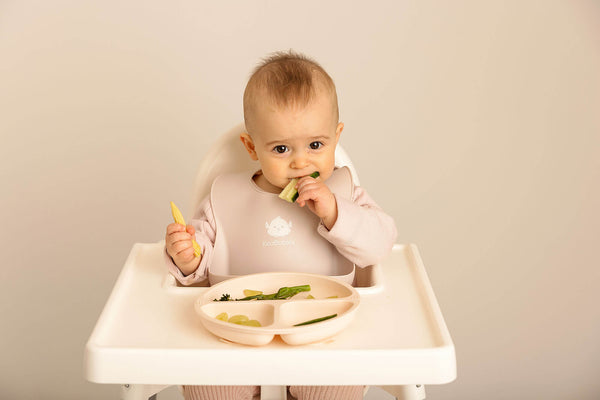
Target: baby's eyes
<point>280,149</point>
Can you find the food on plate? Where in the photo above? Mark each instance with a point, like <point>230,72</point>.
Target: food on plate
<point>312,321</point>
<point>238,319</point>
<point>283,293</point>
<point>223,316</point>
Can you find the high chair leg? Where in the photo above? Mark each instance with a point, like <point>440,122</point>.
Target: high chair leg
<point>141,392</point>
<point>406,392</point>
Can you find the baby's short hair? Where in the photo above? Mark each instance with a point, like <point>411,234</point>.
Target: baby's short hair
<point>288,79</point>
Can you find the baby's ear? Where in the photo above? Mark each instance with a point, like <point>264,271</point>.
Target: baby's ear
<point>338,131</point>
<point>249,145</point>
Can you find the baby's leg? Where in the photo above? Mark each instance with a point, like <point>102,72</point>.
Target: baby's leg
<point>220,392</point>
<point>327,392</point>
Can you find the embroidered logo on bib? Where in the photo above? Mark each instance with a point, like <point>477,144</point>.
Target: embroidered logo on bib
<point>278,228</point>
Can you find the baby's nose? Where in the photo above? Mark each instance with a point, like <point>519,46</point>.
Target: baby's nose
<point>300,160</point>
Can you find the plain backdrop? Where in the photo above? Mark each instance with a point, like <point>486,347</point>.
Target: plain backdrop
<point>475,124</point>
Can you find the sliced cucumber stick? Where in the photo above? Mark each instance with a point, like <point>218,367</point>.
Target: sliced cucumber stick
<point>290,193</point>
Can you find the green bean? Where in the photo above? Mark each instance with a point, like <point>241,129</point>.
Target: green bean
<point>312,321</point>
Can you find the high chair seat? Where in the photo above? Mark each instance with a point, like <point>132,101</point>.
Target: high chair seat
<point>148,336</point>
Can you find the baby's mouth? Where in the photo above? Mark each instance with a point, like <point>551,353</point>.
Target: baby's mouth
<point>309,174</point>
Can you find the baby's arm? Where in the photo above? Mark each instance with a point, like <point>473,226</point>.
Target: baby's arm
<point>180,261</point>
<point>363,232</point>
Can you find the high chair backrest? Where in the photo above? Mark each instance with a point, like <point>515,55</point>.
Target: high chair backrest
<point>229,155</point>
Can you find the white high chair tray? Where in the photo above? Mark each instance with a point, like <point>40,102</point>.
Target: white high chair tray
<point>149,333</point>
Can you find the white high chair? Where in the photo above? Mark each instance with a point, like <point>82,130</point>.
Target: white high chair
<point>147,337</point>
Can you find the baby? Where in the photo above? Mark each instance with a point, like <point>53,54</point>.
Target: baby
<point>292,129</point>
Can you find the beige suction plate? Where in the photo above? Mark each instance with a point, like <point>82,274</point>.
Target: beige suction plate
<point>278,317</point>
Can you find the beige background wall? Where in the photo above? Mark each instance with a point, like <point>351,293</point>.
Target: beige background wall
<point>475,124</point>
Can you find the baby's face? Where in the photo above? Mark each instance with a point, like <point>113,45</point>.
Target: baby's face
<point>293,142</point>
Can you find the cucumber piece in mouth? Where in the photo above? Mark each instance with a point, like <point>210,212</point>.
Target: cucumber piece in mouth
<point>290,193</point>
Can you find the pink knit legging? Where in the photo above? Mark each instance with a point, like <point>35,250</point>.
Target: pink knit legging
<point>249,392</point>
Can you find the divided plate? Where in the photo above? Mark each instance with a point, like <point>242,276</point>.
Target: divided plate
<point>278,317</point>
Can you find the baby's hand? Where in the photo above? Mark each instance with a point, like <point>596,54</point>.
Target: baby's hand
<point>319,199</point>
<point>178,241</point>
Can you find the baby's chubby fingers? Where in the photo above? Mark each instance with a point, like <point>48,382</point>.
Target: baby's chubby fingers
<point>311,189</point>
<point>308,180</point>
<point>174,227</point>
<point>190,229</point>
<point>315,194</point>
<point>179,239</point>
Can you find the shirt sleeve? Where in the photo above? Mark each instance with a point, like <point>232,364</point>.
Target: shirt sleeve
<point>363,232</point>
<point>204,223</point>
